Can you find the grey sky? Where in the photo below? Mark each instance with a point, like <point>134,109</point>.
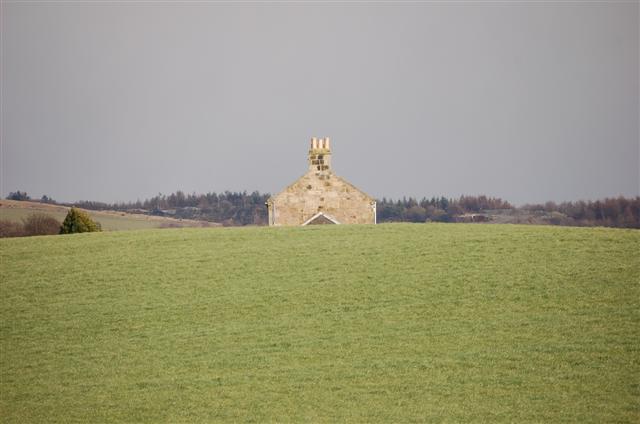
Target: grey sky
<point>119,101</point>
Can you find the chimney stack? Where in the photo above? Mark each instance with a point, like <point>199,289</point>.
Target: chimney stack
<point>320,155</point>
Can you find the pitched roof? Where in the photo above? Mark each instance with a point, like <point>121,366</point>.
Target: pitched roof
<point>272,197</point>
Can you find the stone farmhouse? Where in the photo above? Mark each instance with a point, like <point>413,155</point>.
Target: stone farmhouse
<point>320,196</point>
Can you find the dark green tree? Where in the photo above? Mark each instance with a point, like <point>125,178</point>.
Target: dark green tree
<point>78,221</point>
<point>18,195</point>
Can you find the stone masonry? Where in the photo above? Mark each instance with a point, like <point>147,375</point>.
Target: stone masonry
<point>320,196</point>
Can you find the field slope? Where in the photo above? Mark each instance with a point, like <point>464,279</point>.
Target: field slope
<point>391,323</point>
<point>17,211</point>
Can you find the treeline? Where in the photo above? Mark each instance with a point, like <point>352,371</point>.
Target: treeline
<point>22,195</point>
<point>242,208</point>
<point>436,209</point>
<point>228,208</point>
<point>610,212</point>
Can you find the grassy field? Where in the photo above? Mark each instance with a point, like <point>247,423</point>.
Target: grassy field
<point>387,323</point>
<point>16,211</point>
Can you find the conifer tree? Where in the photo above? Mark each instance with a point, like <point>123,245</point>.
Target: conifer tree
<point>78,221</point>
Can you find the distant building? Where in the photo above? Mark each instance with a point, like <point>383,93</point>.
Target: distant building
<point>320,196</point>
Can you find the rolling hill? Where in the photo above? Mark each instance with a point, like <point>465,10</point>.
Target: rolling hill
<point>13,210</point>
<point>387,323</point>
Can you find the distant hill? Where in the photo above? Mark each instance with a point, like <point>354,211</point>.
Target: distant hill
<point>13,210</point>
<point>243,208</point>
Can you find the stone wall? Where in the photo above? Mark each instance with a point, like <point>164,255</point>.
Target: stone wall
<point>321,192</point>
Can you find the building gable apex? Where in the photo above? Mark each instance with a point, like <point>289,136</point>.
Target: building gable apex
<point>320,215</point>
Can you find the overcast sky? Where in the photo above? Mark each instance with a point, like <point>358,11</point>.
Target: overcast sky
<point>116,101</point>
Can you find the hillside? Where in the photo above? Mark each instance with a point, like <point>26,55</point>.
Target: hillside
<point>13,210</point>
<point>387,323</point>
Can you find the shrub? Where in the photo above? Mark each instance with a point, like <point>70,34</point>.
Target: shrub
<point>11,229</point>
<point>416,214</point>
<point>37,224</point>
<point>78,221</point>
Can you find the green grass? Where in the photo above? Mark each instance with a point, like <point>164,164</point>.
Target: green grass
<point>387,323</point>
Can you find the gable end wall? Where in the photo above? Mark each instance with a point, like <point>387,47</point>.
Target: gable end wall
<point>317,192</point>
